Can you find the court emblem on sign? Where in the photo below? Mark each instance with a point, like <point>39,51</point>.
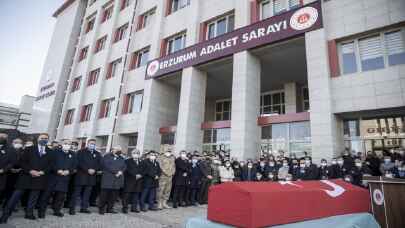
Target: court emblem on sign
<point>153,68</point>
<point>304,18</point>
<point>378,197</point>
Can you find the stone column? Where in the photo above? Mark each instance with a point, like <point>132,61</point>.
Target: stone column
<point>245,133</point>
<point>324,125</point>
<point>290,96</point>
<point>189,135</point>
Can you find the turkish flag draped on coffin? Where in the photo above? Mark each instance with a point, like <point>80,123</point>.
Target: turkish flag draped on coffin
<point>260,204</point>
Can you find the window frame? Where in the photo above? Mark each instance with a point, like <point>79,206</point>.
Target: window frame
<point>92,80</point>
<point>179,7</point>
<point>69,117</point>
<point>90,21</point>
<point>222,102</point>
<point>215,23</point>
<point>83,53</point>
<point>272,93</point>
<point>147,17</point>
<point>76,83</point>
<point>107,12</point>
<point>121,32</point>
<point>106,108</point>
<point>305,100</point>
<point>173,38</point>
<point>112,68</point>
<point>131,99</point>
<point>384,51</point>
<point>272,13</point>
<point>100,44</point>
<point>86,115</point>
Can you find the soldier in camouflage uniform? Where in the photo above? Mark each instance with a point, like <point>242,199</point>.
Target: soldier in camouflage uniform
<point>168,167</point>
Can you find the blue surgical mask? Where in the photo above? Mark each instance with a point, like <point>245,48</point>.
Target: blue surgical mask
<point>92,146</point>
<point>43,142</point>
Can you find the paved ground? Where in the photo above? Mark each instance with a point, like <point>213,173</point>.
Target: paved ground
<point>171,218</point>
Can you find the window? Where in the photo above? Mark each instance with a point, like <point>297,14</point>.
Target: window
<point>348,58</point>
<point>272,103</point>
<point>216,139</point>
<point>221,26</point>
<point>105,109</point>
<point>124,4</point>
<point>179,4</point>
<point>107,13</point>
<point>305,99</point>
<point>132,142</point>
<point>83,53</point>
<point>146,19</point>
<point>223,110</point>
<point>373,52</point>
<point>93,77</point>
<point>86,113</point>
<point>76,84</point>
<point>90,24</point>
<point>113,68</point>
<point>133,102</point>
<point>176,43</point>
<point>69,116</point>
<point>395,44</point>
<point>269,8</point>
<point>121,32</point>
<point>139,58</point>
<point>100,44</point>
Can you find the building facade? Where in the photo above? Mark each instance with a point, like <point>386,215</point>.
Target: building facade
<point>17,117</point>
<point>269,75</point>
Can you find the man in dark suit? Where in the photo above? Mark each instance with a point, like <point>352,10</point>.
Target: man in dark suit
<point>151,173</point>
<point>8,158</point>
<point>195,180</point>
<point>248,172</point>
<point>88,164</point>
<point>16,149</point>
<point>180,179</point>
<point>112,179</point>
<point>35,162</point>
<point>133,182</point>
<point>64,165</point>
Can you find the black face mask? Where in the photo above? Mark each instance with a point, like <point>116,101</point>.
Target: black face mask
<point>3,141</point>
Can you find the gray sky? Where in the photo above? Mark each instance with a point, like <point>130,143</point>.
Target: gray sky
<point>25,35</point>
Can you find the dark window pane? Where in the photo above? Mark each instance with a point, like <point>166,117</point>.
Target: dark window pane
<point>396,59</point>
<point>276,98</point>
<point>372,64</point>
<point>227,116</point>
<point>267,100</point>
<point>219,107</point>
<point>349,63</point>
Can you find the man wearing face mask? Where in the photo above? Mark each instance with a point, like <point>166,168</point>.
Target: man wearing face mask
<point>8,158</point>
<point>339,170</point>
<point>64,164</point>
<point>180,179</point>
<point>195,180</point>
<point>88,164</point>
<point>151,174</point>
<point>168,167</point>
<point>283,171</point>
<point>112,179</point>
<point>206,180</point>
<point>36,162</point>
<point>215,164</point>
<point>226,172</point>
<point>12,176</point>
<point>133,184</point>
<point>263,168</point>
<point>324,170</point>
<point>358,172</point>
<point>387,167</point>
<point>373,162</point>
<point>302,173</point>
<point>401,172</point>
<point>74,149</point>
<point>348,159</point>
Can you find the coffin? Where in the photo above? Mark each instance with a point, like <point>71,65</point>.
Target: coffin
<point>261,204</point>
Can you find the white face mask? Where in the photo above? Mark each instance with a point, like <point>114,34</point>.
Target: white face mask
<point>302,165</point>
<point>183,155</point>
<point>153,157</point>
<point>340,162</point>
<point>135,155</point>
<point>17,145</point>
<point>168,154</point>
<point>358,164</point>
<point>66,147</point>
<point>227,165</point>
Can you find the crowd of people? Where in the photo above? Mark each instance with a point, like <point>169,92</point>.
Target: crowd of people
<point>40,174</point>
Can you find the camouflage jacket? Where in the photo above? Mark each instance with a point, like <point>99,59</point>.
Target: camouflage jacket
<point>167,165</point>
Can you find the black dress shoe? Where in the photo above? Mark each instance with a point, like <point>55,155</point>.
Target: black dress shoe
<point>136,210</point>
<point>41,214</point>
<point>101,211</point>
<point>30,217</point>
<point>4,219</point>
<point>125,210</point>
<point>111,211</point>
<point>144,209</point>
<point>58,214</point>
<point>153,209</point>
<point>85,211</point>
<point>72,211</point>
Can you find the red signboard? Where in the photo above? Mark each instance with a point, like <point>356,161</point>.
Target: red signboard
<point>280,27</point>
